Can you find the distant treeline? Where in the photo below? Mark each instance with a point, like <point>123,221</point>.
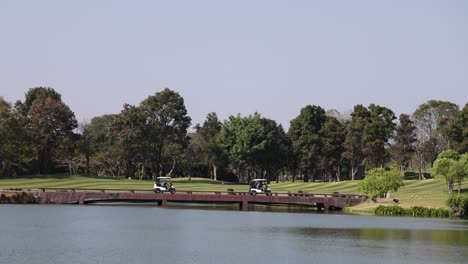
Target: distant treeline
<point>41,135</point>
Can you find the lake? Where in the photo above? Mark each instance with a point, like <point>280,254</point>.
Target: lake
<point>47,234</point>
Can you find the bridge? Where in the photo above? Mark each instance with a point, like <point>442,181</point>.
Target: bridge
<point>243,199</point>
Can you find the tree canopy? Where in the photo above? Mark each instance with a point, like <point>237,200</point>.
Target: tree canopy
<point>153,138</point>
<point>380,181</point>
<point>453,167</point>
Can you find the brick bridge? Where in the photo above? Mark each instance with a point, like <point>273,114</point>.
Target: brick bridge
<point>86,196</point>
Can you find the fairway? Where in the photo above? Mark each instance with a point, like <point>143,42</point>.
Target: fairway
<point>428,193</point>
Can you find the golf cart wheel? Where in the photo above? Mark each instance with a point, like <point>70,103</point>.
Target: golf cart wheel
<point>253,193</point>
<point>268,194</point>
<point>173,191</point>
<point>157,190</point>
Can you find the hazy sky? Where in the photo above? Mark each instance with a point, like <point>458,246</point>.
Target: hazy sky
<point>232,57</point>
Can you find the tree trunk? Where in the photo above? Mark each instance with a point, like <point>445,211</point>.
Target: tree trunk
<point>450,186</point>
<point>306,176</point>
<point>87,163</point>
<point>70,169</point>
<point>338,174</point>
<point>353,172</point>
<point>173,166</point>
<point>215,172</point>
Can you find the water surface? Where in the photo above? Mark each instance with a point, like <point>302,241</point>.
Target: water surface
<point>146,234</point>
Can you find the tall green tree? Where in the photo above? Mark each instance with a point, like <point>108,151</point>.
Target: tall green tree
<point>332,163</point>
<point>242,140</point>
<point>306,139</point>
<point>105,148</point>
<point>12,145</point>
<point>134,150</point>
<point>377,133</point>
<point>166,123</point>
<point>48,121</point>
<point>458,131</point>
<point>206,139</point>
<point>433,120</point>
<point>354,141</point>
<point>405,140</point>
<point>277,148</point>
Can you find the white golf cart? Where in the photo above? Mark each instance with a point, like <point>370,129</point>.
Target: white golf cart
<point>259,186</point>
<point>164,184</point>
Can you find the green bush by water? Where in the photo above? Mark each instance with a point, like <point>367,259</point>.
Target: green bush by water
<point>418,211</point>
<point>458,204</point>
<point>393,210</point>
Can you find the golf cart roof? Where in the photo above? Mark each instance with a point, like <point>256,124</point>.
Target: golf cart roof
<point>164,178</point>
<point>258,180</point>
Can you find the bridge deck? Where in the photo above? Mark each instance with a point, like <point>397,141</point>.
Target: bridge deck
<point>83,196</point>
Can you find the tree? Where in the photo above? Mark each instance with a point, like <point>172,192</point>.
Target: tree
<point>433,119</point>
<point>377,133</point>
<point>104,150</point>
<point>354,140</point>
<point>458,131</point>
<point>405,140</point>
<point>276,151</point>
<point>208,145</point>
<point>332,162</point>
<point>453,167</point>
<point>381,181</point>
<point>11,141</point>
<point>166,123</point>
<point>307,142</point>
<point>35,93</point>
<point>129,130</point>
<point>242,140</point>
<point>48,122</point>
<point>459,170</point>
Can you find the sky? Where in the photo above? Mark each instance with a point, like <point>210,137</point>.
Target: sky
<point>229,57</point>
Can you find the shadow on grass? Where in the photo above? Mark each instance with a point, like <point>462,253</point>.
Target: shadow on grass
<point>207,181</point>
<point>411,175</point>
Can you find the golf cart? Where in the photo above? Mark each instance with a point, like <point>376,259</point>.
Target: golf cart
<point>259,186</point>
<point>164,184</point>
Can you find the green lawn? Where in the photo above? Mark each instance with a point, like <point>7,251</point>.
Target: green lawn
<point>429,193</point>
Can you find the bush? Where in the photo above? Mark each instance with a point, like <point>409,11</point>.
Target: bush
<point>417,211</point>
<point>421,211</point>
<point>458,204</point>
<point>389,210</point>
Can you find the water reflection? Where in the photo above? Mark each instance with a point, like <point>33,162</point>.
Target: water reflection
<point>149,234</point>
<point>448,237</point>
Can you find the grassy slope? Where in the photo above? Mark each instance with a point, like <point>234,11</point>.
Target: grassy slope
<point>434,189</point>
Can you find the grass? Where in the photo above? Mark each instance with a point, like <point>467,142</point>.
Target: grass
<point>430,193</point>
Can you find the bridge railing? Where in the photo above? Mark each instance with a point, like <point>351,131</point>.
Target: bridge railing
<point>191,192</point>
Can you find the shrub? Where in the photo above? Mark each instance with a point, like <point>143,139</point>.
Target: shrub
<point>417,211</point>
<point>421,211</point>
<point>389,210</point>
<point>458,204</point>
